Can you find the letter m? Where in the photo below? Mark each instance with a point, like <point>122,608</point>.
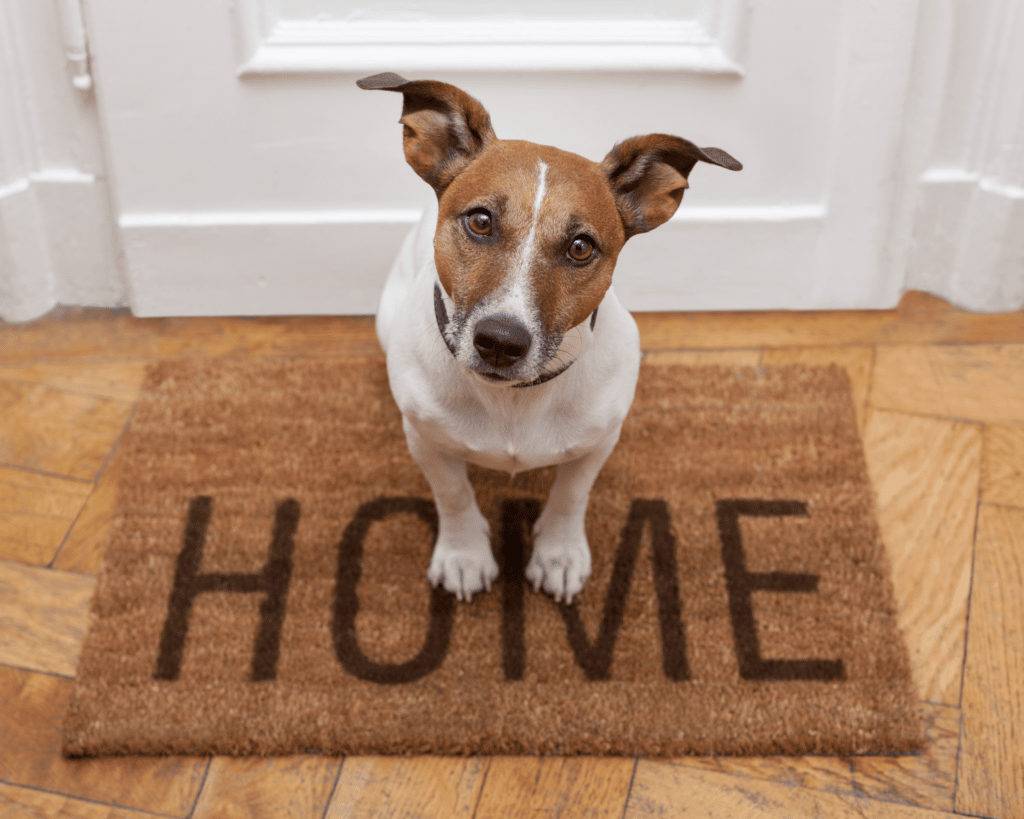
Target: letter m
<point>595,656</point>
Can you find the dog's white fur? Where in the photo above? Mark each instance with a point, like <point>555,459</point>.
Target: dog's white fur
<point>506,345</point>
<point>451,416</point>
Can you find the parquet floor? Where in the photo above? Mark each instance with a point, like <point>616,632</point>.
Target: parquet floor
<point>941,404</point>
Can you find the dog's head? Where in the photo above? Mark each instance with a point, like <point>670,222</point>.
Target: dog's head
<point>527,235</point>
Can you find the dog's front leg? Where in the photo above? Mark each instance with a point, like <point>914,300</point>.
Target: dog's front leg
<point>561,554</point>
<point>462,561</point>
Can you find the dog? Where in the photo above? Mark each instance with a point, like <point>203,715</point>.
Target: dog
<point>506,346</point>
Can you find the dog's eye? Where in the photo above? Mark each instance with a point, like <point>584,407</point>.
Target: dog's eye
<point>479,222</point>
<point>581,249</point>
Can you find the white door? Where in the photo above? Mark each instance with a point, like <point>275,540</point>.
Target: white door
<point>252,176</point>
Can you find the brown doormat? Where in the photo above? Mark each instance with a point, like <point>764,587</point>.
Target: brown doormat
<point>264,588</point>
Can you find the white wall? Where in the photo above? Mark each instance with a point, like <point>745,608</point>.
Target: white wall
<point>899,165</point>
<point>58,238</point>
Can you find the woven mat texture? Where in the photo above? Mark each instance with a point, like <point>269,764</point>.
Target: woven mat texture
<point>264,586</point>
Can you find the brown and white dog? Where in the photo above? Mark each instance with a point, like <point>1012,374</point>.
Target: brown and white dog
<point>506,345</point>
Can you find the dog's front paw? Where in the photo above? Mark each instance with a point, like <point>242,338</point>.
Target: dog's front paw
<point>462,572</point>
<point>560,563</point>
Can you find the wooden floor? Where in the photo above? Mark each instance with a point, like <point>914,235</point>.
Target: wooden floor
<point>941,401</point>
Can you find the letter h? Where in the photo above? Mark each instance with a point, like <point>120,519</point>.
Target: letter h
<point>272,581</point>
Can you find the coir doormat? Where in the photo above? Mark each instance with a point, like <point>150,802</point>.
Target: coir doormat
<point>264,588</point>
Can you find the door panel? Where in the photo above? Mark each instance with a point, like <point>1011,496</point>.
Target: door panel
<point>252,176</point>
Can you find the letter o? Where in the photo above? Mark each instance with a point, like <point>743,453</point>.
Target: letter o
<point>346,600</point>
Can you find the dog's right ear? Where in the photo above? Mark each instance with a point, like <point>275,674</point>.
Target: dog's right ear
<point>445,128</point>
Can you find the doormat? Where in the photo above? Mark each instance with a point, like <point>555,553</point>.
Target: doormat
<point>264,586</point>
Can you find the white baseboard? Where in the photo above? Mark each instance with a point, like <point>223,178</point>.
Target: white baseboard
<point>26,273</point>
<point>725,259</point>
<point>83,241</point>
<point>335,262</point>
<point>58,245</point>
<point>290,263</point>
<point>968,242</point>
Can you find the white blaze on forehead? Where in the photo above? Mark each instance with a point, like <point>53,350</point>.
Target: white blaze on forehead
<point>520,283</point>
<point>537,200</point>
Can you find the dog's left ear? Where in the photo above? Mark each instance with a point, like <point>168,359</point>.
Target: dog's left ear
<point>444,127</point>
<point>648,175</point>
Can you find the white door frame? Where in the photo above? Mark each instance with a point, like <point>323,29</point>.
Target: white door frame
<point>58,237</point>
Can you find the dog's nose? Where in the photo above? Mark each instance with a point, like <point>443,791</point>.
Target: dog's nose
<point>501,340</point>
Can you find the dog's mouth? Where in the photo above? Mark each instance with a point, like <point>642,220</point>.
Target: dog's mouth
<point>498,378</point>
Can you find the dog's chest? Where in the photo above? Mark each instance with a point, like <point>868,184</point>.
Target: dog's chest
<point>512,437</point>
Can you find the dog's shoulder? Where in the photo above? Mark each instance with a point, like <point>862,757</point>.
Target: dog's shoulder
<point>412,271</point>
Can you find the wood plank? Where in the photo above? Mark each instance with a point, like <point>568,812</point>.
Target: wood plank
<point>119,381</point>
<point>43,617</point>
<point>668,789</point>
<point>82,550</point>
<point>981,383</point>
<point>822,773</point>
<point>30,741</point>
<point>926,474</point>
<point>919,319</point>
<point>25,803</point>
<point>76,334</point>
<point>58,432</point>
<point>991,772</point>
<point>36,512</point>
<point>379,787</point>
<point>1003,478</point>
<point>924,780</point>
<point>704,358</point>
<point>82,334</point>
<point>277,788</point>
<point>857,361</point>
<point>556,786</point>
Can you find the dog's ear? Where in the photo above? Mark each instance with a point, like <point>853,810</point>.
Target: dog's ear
<point>648,175</point>
<point>444,127</point>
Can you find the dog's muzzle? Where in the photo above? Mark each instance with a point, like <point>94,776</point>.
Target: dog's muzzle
<point>502,340</point>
